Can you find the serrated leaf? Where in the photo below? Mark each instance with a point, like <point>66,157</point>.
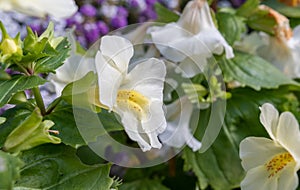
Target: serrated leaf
<point>65,123</point>
<point>220,166</point>
<point>230,26</point>
<point>288,11</point>
<point>17,84</point>
<point>14,117</point>
<point>164,15</point>
<point>57,167</point>
<point>50,63</point>
<point>144,184</point>
<point>253,71</point>
<point>9,170</point>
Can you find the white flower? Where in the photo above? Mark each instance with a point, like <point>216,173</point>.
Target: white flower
<point>178,131</point>
<point>40,8</point>
<point>136,96</point>
<point>74,68</point>
<point>193,34</point>
<point>272,164</point>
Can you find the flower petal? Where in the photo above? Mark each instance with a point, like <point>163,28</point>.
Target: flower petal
<point>117,49</point>
<point>269,118</point>
<point>255,151</point>
<point>132,128</point>
<point>288,179</point>
<point>109,81</point>
<point>257,178</point>
<point>288,134</point>
<point>147,78</point>
<point>192,66</point>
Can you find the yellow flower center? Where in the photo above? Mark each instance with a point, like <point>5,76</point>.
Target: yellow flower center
<point>134,101</point>
<point>278,162</point>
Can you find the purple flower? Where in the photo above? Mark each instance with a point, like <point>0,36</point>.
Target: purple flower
<point>122,12</point>
<point>150,2</point>
<point>91,32</point>
<point>36,26</point>
<point>148,14</point>
<point>118,22</point>
<point>102,27</point>
<point>88,10</point>
<point>77,19</point>
<point>133,4</point>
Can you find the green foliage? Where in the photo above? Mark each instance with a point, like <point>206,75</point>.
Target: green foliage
<point>58,167</point>
<point>248,8</point>
<point>252,71</point>
<point>286,10</point>
<point>231,26</point>
<point>9,170</point>
<point>145,184</point>
<point>16,84</point>
<point>63,117</point>
<point>164,15</point>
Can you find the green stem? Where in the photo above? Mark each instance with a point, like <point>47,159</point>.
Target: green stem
<point>53,105</point>
<point>39,99</point>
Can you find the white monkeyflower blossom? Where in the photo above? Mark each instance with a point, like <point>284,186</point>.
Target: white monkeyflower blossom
<point>178,133</point>
<point>136,96</point>
<point>272,164</point>
<point>40,8</point>
<point>193,34</point>
<point>74,68</point>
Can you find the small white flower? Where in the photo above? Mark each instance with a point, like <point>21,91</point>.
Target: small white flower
<point>136,96</point>
<point>272,164</point>
<point>193,34</point>
<point>40,8</point>
<point>74,68</point>
<point>178,133</point>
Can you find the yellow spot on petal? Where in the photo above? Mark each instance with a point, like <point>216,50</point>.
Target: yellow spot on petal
<point>278,162</point>
<point>133,101</point>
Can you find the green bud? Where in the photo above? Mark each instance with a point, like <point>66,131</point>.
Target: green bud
<point>49,33</point>
<point>9,47</point>
<point>30,133</point>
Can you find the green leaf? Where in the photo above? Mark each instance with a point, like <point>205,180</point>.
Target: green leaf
<point>30,133</point>
<point>144,184</point>
<point>9,170</point>
<point>2,120</point>
<point>164,15</point>
<point>14,117</point>
<point>253,71</point>
<point>220,165</point>
<point>248,8</point>
<point>65,123</point>
<point>288,11</point>
<point>261,20</point>
<point>57,167</point>
<point>50,63</point>
<point>17,84</point>
<point>4,75</point>
<point>230,26</point>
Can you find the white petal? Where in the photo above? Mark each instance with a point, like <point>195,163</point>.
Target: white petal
<point>118,49</point>
<point>296,34</point>
<point>132,127</point>
<point>147,78</point>
<point>288,179</point>
<point>192,66</point>
<point>269,118</point>
<point>257,178</point>
<point>288,134</point>
<point>256,151</point>
<point>178,132</point>
<point>109,80</point>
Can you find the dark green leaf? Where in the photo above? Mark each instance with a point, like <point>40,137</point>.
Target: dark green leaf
<point>50,63</point>
<point>144,184</point>
<point>9,170</point>
<point>230,26</point>
<point>248,8</point>
<point>17,84</point>
<point>288,11</point>
<point>57,167</point>
<point>65,123</point>
<point>261,20</point>
<point>14,117</point>
<point>253,71</point>
<point>164,15</point>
